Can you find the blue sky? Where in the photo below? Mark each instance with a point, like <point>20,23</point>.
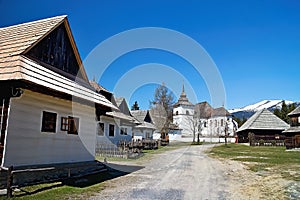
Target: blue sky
<point>254,44</point>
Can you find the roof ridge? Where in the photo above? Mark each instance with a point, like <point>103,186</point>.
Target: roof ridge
<point>35,21</point>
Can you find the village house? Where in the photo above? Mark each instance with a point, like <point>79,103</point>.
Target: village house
<point>47,104</point>
<point>262,128</point>
<point>113,126</point>
<point>292,134</point>
<point>146,127</point>
<point>203,120</point>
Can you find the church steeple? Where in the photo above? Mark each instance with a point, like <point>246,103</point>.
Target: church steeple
<point>183,93</point>
<point>183,100</point>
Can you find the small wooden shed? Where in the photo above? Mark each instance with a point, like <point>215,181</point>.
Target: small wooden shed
<point>262,128</point>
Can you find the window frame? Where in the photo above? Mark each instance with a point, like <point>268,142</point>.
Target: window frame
<point>123,131</point>
<point>113,130</point>
<point>45,122</point>
<point>99,124</point>
<point>70,124</point>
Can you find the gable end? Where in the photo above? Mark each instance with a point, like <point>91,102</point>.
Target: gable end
<point>55,52</point>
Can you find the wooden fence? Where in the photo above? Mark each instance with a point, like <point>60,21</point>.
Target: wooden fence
<point>125,149</point>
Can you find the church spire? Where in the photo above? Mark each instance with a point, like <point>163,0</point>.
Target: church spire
<point>183,92</point>
<point>183,100</point>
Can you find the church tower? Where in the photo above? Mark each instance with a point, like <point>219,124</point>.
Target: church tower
<point>183,112</point>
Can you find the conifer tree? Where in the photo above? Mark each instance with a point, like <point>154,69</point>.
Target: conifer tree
<point>135,106</point>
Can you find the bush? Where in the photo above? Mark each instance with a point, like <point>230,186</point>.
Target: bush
<point>261,142</point>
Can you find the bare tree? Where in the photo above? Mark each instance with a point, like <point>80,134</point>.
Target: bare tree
<point>162,105</point>
<point>195,126</point>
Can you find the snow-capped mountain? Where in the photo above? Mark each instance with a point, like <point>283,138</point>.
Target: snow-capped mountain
<point>249,110</point>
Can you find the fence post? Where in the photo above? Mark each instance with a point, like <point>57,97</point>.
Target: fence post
<point>9,182</point>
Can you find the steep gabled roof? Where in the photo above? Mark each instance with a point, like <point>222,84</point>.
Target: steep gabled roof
<point>143,116</point>
<point>122,105</point>
<point>264,120</point>
<point>98,87</point>
<point>220,112</point>
<point>17,40</point>
<point>119,100</point>
<point>140,115</point>
<point>295,112</point>
<point>203,110</point>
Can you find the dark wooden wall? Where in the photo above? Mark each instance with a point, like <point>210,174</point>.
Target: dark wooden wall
<point>56,50</point>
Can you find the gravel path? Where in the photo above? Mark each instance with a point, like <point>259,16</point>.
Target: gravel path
<point>185,173</point>
<point>188,173</point>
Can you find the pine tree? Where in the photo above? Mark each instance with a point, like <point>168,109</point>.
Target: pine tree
<point>135,106</point>
<point>277,112</point>
<point>284,111</point>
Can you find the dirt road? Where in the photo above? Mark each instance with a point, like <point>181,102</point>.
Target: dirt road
<point>188,173</point>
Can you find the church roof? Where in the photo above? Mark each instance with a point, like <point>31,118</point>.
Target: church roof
<point>183,100</point>
<point>220,112</point>
<point>264,120</point>
<point>203,110</point>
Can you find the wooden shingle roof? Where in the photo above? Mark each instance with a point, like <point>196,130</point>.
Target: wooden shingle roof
<point>119,100</point>
<point>16,40</point>
<point>143,117</point>
<point>295,112</point>
<point>220,112</point>
<point>264,120</point>
<point>140,115</point>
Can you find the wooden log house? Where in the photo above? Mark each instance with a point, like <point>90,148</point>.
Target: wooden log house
<point>292,134</point>
<point>262,128</point>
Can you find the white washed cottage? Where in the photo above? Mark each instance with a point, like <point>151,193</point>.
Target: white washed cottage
<point>47,104</point>
<point>113,126</point>
<point>145,128</point>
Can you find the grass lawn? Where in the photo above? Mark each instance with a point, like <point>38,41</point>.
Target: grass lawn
<point>272,159</point>
<point>80,188</point>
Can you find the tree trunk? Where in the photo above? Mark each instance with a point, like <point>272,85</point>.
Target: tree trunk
<point>194,136</point>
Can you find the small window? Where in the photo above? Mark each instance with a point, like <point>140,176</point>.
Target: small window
<point>123,131</point>
<point>187,112</point>
<point>70,124</point>
<point>100,129</point>
<point>222,122</point>
<point>205,124</point>
<point>176,112</point>
<point>64,124</point>
<point>111,130</point>
<point>49,122</point>
<point>147,135</point>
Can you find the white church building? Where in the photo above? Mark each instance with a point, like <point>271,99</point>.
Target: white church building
<point>210,123</point>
